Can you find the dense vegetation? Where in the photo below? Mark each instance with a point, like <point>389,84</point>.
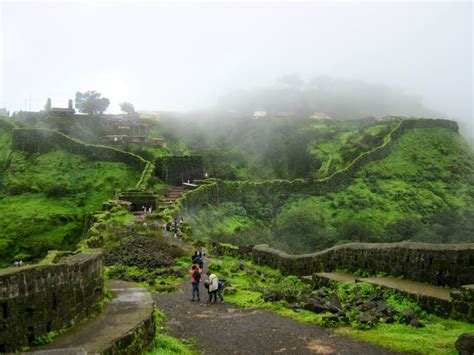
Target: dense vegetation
<point>283,148</point>
<point>423,191</point>
<point>45,198</point>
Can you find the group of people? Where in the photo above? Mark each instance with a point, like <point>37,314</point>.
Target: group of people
<point>169,228</point>
<point>147,209</point>
<point>213,285</point>
<point>172,227</point>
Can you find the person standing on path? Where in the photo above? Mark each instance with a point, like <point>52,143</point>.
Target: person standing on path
<point>213,283</point>
<point>220,287</point>
<point>195,273</point>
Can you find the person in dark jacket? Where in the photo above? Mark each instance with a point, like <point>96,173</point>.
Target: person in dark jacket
<point>195,273</point>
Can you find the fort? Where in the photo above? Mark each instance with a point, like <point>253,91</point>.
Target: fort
<point>39,299</point>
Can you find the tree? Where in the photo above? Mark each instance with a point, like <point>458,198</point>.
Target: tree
<point>91,102</point>
<point>127,107</point>
<point>301,229</point>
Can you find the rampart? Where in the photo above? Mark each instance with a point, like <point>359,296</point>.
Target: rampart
<point>438,264</point>
<point>276,192</point>
<point>38,299</point>
<point>37,140</point>
<point>176,170</point>
<point>6,125</point>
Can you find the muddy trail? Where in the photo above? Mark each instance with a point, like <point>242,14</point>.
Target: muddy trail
<point>224,328</point>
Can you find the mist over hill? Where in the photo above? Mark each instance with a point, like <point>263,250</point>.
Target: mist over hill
<point>337,97</point>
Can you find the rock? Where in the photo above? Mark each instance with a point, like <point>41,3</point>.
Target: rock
<point>381,307</point>
<point>322,293</point>
<point>290,299</point>
<point>408,315</point>
<point>334,301</point>
<point>357,300</point>
<point>315,306</point>
<point>465,344</point>
<point>273,297</point>
<point>303,298</point>
<point>368,306</point>
<point>332,308</point>
<point>416,323</point>
<point>331,318</point>
<point>143,252</point>
<point>389,320</point>
<point>391,311</point>
<point>364,318</point>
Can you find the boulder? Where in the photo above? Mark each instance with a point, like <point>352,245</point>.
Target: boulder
<point>465,344</point>
<point>408,315</point>
<point>381,308</point>
<point>391,311</point>
<point>273,297</point>
<point>365,318</point>
<point>416,323</point>
<point>316,306</point>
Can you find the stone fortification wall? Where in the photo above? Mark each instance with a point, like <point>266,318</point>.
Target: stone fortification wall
<point>37,140</point>
<point>437,264</point>
<point>176,170</point>
<point>38,299</point>
<point>276,192</point>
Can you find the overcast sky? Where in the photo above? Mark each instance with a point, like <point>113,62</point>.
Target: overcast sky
<point>181,56</point>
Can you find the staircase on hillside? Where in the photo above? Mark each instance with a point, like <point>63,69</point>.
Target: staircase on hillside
<point>173,195</point>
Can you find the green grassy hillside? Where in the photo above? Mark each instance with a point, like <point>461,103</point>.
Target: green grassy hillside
<point>423,191</point>
<point>44,198</point>
<point>277,148</point>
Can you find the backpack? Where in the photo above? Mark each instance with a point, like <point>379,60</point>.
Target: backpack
<point>197,276</point>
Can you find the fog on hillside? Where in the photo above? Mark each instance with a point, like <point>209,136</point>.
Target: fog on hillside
<point>351,59</point>
<point>339,98</point>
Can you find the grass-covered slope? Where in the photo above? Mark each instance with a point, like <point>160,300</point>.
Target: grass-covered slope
<point>278,148</point>
<point>44,198</point>
<point>423,190</point>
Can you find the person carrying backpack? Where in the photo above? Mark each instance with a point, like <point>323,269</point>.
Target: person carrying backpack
<point>195,273</point>
<point>213,283</point>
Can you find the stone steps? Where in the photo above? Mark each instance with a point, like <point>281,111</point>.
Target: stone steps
<point>126,325</point>
<point>174,194</point>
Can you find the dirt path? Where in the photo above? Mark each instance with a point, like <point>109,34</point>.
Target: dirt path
<point>229,329</point>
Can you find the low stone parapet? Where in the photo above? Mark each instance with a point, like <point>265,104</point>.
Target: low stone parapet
<point>38,299</point>
<point>437,264</point>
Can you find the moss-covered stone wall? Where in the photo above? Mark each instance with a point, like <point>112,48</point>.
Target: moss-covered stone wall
<point>36,140</point>
<point>437,264</point>
<point>38,299</point>
<point>276,192</point>
<point>139,198</point>
<point>176,170</point>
